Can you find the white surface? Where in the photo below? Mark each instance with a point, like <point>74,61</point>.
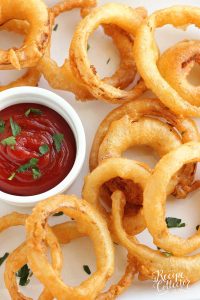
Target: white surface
<point>91,113</point>
<point>42,96</point>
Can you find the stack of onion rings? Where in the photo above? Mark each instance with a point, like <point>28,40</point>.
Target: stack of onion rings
<point>125,169</point>
<point>64,233</point>
<point>135,123</point>
<point>91,223</point>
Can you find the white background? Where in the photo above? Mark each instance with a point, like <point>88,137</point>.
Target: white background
<point>80,252</point>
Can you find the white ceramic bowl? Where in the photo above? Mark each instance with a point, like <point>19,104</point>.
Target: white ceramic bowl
<point>55,102</point>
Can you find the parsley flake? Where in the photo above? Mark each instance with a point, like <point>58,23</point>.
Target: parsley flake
<point>174,223</point>
<point>44,149</point>
<point>2,126</point>
<point>31,164</point>
<point>24,274</point>
<point>3,258</point>
<point>87,269</point>
<point>34,111</point>
<point>36,172</point>
<point>55,27</point>
<point>57,139</point>
<point>16,129</point>
<point>88,47</point>
<point>167,254</point>
<point>108,61</point>
<point>60,213</point>
<point>9,141</point>
<point>12,176</point>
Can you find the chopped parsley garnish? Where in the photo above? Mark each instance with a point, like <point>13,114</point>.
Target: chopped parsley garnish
<point>55,27</point>
<point>31,164</point>
<point>24,274</point>
<point>16,129</point>
<point>57,139</point>
<point>9,141</point>
<point>11,177</point>
<point>36,172</point>
<point>87,269</point>
<point>44,149</point>
<point>88,47</point>
<point>108,61</point>
<point>197,227</point>
<point>60,213</point>
<point>167,254</point>
<point>2,126</point>
<point>3,258</point>
<point>34,111</point>
<point>174,223</point>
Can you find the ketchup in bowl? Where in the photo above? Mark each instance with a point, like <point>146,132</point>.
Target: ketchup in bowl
<point>37,149</point>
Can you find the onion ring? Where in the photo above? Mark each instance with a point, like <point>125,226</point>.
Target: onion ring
<point>90,222</point>
<point>63,78</point>
<point>155,197</point>
<point>126,280</point>
<point>36,39</point>
<point>65,233</point>
<point>126,133</point>
<point>68,231</point>
<point>150,108</point>
<point>111,168</point>
<point>175,65</point>
<point>32,75</point>
<point>18,258</point>
<point>16,219</point>
<point>147,54</point>
<point>153,261</point>
<point>124,17</point>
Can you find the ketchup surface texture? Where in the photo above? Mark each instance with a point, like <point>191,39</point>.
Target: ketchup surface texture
<point>36,130</point>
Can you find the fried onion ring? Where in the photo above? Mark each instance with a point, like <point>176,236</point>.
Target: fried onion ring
<point>16,219</point>
<point>32,75</point>
<point>63,78</point>
<point>37,37</point>
<point>68,231</point>
<point>175,65</point>
<point>125,18</point>
<point>150,261</point>
<point>155,198</point>
<point>147,54</point>
<point>65,233</point>
<point>126,133</point>
<point>111,168</point>
<point>90,222</point>
<point>126,280</point>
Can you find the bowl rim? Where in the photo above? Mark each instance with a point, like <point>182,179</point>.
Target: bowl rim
<point>62,107</point>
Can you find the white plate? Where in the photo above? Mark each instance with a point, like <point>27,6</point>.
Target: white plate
<point>80,252</point>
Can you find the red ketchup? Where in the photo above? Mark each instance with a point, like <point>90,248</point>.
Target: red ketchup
<point>37,149</point>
